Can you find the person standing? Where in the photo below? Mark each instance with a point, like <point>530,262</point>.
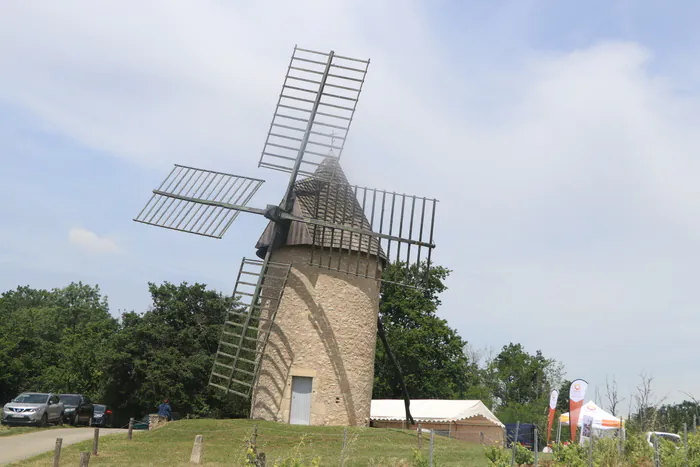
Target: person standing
<point>164,412</point>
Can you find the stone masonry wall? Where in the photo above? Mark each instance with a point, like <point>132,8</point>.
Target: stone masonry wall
<point>325,328</point>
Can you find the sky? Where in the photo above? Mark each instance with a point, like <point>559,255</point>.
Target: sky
<point>557,135</point>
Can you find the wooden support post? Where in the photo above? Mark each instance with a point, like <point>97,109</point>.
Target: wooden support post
<point>84,459</point>
<point>131,428</point>
<point>95,441</point>
<point>57,452</point>
<point>420,436</point>
<point>345,438</point>
<point>197,456</point>
<point>536,446</point>
<point>481,437</point>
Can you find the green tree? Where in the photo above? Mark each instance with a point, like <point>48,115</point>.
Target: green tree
<point>54,340</point>
<point>429,352</point>
<point>522,383</point>
<point>169,352</point>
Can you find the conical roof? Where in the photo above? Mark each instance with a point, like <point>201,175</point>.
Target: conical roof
<point>327,196</point>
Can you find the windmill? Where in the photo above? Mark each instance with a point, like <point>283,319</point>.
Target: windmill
<point>301,345</point>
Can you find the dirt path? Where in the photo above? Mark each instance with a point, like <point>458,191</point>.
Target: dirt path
<point>15,448</point>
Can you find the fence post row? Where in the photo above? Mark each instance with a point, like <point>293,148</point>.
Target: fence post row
<point>57,452</point>
<point>84,459</point>
<point>420,436</point>
<point>131,428</point>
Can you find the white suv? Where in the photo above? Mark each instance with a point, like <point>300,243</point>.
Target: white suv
<point>33,408</point>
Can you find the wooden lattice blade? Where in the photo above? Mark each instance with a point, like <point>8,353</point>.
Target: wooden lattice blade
<point>184,201</point>
<point>246,330</point>
<point>314,112</point>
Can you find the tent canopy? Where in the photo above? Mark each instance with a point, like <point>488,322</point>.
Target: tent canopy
<point>431,410</point>
<point>602,420</point>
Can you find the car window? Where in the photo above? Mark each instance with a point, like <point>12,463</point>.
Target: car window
<point>53,400</point>
<point>70,399</point>
<point>32,398</point>
<point>87,400</point>
<point>100,408</point>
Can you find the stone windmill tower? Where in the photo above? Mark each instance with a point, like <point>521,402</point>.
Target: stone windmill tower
<point>301,344</point>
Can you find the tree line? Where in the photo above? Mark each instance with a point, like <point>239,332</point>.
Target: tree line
<point>66,340</point>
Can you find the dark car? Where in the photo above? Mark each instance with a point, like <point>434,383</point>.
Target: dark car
<point>102,416</point>
<point>78,409</point>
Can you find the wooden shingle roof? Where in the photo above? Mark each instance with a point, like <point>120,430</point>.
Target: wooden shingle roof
<point>327,196</point>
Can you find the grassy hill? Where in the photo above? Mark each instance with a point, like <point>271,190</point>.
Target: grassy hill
<point>225,445</point>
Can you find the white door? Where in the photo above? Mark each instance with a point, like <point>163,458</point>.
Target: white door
<point>301,401</point>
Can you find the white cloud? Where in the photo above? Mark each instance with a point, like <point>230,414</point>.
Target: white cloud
<point>90,241</point>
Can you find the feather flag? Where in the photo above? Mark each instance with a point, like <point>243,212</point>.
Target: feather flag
<point>553,397</point>
<point>577,392</point>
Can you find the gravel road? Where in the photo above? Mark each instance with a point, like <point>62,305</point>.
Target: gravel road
<point>15,448</point>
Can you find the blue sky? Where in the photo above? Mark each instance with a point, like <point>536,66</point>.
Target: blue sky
<point>560,139</point>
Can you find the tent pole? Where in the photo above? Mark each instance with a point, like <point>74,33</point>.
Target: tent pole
<point>559,432</point>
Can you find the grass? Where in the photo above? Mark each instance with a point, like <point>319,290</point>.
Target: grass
<point>224,444</point>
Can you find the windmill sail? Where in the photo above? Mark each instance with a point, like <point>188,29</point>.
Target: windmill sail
<point>181,201</point>
<point>247,327</point>
<point>314,111</point>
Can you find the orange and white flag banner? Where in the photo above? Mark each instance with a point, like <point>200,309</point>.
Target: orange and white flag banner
<point>553,398</point>
<point>577,392</point>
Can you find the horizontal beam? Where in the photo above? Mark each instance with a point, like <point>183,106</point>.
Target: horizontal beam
<point>281,215</point>
<point>234,207</point>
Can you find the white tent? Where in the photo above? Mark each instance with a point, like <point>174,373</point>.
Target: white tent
<point>467,420</point>
<point>602,420</point>
<point>432,410</point>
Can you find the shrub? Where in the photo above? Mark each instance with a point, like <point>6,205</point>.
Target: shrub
<point>498,456</point>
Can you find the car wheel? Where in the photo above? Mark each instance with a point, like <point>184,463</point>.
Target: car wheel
<point>76,419</point>
<point>44,420</point>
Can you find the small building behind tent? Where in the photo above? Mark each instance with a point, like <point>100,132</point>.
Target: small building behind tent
<point>466,420</point>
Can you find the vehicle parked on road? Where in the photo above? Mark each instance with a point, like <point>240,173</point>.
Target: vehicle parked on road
<point>33,408</point>
<point>78,409</point>
<point>651,435</point>
<point>102,415</point>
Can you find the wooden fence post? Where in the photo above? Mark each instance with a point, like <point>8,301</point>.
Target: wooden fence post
<point>515,443</point>
<point>131,428</point>
<point>84,459</point>
<point>420,436</point>
<point>432,446</point>
<point>95,441</point>
<point>197,450</point>
<point>57,452</point>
